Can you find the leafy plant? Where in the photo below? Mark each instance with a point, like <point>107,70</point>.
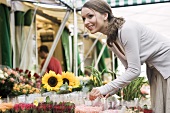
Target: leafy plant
<point>96,76</point>
<point>132,90</point>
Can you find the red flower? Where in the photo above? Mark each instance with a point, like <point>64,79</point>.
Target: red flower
<point>17,69</point>
<point>16,108</point>
<point>36,75</point>
<point>20,71</point>
<point>29,75</point>
<point>44,107</point>
<point>26,71</point>
<point>23,107</point>
<point>147,111</point>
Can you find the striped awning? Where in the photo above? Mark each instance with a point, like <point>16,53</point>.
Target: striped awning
<point>120,3</point>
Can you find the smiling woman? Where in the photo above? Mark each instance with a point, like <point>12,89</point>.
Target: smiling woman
<point>91,19</point>
<point>134,44</point>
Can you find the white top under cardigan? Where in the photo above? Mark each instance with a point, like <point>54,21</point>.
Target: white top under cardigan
<point>140,45</point>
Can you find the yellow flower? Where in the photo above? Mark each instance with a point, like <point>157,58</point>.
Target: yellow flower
<point>77,82</point>
<point>70,88</point>
<point>24,91</point>
<point>51,81</point>
<point>93,78</point>
<point>35,102</point>
<point>37,90</point>
<point>69,78</point>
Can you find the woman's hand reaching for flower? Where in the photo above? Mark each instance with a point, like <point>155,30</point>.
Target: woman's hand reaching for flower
<point>94,94</point>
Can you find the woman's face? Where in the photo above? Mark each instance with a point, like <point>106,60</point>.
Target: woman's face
<point>93,20</point>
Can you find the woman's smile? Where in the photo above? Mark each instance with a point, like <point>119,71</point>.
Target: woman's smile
<point>93,20</point>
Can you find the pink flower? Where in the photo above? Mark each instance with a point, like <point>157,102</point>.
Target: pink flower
<point>31,83</point>
<point>2,81</point>
<point>23,106</point>
<point>5,69</point>
<point>16,108</point>
<point>38,85</point>
<point>15,73</point>
<point>21,78</point>
<point>145,89</point>
<point>9,72</point>
<point>12,79</point>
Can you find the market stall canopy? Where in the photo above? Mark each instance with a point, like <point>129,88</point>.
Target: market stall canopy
<point>57,9</point>
<point>54,10</point>
<point>121,3</point>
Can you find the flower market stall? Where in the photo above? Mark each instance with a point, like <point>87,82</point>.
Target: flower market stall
<point>25,91</point>
<point>64,93</point>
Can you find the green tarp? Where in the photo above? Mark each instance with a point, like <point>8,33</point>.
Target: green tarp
<point>65,43</point>
<point>6,51</point>
<point>124,3</point>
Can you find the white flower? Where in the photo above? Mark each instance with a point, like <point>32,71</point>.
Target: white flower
<point>5,74</point>
<point>2,76</point>
<point>1,72</point>
<point>86,78</point>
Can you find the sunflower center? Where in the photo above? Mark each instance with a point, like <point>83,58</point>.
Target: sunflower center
<point>52,81</point>
<point>65,80</point>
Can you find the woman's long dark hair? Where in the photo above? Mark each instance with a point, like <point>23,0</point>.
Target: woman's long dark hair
<point>114,23</point>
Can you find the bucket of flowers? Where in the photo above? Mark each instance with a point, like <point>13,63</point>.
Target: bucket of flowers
<point>7,79</point>
<point>27,83</point>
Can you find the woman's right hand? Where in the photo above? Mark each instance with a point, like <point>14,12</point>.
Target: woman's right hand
<point>94,94</point>
<point>108,95</point>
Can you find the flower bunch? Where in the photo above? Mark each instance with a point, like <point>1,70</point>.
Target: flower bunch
<point>7,79</point>
<point>23,108</point>
<point>20,89</point>
<point>44,107</point>
<point>5,107</point>
<point>26,77</point>
<point>64,107</point>
<point>49,107</point>
<point>64,83</point>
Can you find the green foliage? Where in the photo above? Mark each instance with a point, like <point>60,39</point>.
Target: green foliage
<point>48,100</point>
<point>64,89</point>
<point>97,76</point>
<point>96,80</point>
<point>88,85</point>
<point>132,90</point>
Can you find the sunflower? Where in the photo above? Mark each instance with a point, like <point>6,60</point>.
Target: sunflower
<point>77,82</point>
<point>51,81</point>
<point>69,78</point>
